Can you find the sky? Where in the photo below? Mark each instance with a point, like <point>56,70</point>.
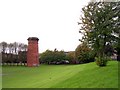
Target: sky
<point>54,22</point>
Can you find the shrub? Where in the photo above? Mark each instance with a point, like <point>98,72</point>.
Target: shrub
<point>51,57</point>
<point>71,57</point>
<point>84,54</point>
<point>101,61</point>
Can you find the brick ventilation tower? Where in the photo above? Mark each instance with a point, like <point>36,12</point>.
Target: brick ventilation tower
<point>32,54</point>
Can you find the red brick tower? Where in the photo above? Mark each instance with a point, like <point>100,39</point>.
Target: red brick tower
<point>32,54</point>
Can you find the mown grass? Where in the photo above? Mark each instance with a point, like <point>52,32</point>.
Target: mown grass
<point>61,76</point>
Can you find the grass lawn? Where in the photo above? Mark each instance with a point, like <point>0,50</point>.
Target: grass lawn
<point>61,76</point>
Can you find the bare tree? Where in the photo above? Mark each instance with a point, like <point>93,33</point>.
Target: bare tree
<point>3,50</point>
<point>4,46</point>
<point>15,45</point>
<point>10,46</point>
<point>13,53</point>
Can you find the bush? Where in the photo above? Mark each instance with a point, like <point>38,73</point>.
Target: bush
<point>84,54</point>
<point>71,57</point>
<point>52,57</point>
<point>101,61</point>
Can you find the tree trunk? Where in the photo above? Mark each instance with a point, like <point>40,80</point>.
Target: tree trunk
<point>23,63</point>
<point>17,63</point>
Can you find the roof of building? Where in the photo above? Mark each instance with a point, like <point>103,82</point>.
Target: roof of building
<point>33,38</point>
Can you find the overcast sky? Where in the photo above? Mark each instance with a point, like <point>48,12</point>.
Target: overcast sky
<point>54,22</point>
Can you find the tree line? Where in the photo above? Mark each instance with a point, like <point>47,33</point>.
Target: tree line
<point>13,53</point>
<point>16,54</point>
<point>53,57</point>
<point>80,55</point>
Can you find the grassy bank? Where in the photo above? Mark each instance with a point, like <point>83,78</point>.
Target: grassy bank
<point>61,76</point>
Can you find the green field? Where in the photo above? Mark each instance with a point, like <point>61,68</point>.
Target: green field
<point>61,76</point>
